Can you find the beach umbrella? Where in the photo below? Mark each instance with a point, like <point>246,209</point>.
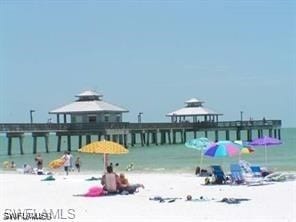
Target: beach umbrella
<point>198,144</point>
<point>246,150</point>
<point>56,163</point>
<point>245,147</point>
<point>104,147</point>
<point>265,142</point>
<point>223,148</point>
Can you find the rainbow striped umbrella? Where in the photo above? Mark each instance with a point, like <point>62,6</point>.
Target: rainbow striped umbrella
<point>223,148</point>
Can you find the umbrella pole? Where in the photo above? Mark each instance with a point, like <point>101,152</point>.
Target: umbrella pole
<point>201,159</point>
<point>105,161</point>
<point>265,152</point>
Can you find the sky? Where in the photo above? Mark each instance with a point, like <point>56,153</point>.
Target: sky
<point>149,56</point>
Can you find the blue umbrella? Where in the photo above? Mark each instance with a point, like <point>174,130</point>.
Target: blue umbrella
<point>198,144</point>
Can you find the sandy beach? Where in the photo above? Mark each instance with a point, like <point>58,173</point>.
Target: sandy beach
<point>272,202</point>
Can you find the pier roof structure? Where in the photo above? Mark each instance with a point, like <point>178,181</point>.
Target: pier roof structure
<point>88,101</point>
<point>194,108</point>
<point>90,108</point>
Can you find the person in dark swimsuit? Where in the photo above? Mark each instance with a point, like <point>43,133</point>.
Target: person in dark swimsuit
<point>39,162</point>
<point>78,164</point>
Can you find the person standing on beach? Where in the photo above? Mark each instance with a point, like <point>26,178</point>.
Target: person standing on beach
<point>39,162</point>
<point>71,167</point>
<point>78,164</point>
<point>66,158</point>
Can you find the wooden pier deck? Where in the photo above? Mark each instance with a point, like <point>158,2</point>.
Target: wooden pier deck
<point>136,133</point>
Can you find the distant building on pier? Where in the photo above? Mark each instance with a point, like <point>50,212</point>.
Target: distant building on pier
<point>89,108</point>
<point>194,111</point>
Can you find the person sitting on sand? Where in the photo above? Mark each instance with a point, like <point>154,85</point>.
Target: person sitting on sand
<point>110,181</point>
<point>125,186</point>
<point>12,165</point>
<point>28,169</point>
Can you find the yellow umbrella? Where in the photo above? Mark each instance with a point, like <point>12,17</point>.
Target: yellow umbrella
<point>246,150</point>
<point>104,147</point>
<point>56,163</point>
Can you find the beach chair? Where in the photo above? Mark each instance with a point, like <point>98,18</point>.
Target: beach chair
<point>251,170</point>
<point>251,174</point>
<point>218,174</point>
<point>280,177</point>
<point>236,174</point>
<point>256,171</point>
<point>245,166</point>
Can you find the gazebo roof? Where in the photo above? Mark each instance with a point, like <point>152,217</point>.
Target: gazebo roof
<point>193,108</point>
<point>193,111</point>
<point>88,93</point>
<point>91,105</point>
<point>193,100</point>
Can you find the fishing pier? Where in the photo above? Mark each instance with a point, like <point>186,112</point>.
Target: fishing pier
<point>131,134</point>
<point>90,118</point>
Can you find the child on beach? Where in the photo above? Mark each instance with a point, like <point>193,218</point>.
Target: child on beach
<point>78,163</point>
<point>126,187</point>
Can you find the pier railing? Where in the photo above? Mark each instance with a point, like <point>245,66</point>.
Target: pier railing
<point>64,127</point>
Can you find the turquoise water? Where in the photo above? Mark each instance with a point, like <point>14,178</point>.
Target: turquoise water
<point>161,158</point>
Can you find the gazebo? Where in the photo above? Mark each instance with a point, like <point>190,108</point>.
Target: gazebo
<point>89,108</point>
<point>194,111</point>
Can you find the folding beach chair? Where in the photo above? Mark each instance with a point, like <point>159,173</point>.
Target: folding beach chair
<point>218,174</point>
<point>251,176</point>
<point>256,171</point>
<point>236,174</point>
<point>252,170</point>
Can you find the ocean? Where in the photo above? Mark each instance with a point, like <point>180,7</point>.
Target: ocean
<point>160,158</point>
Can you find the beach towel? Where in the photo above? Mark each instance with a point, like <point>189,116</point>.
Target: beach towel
<point>94,191</point>
<point>233,200</point>
<point>49,178</point>
<point>93,178</point>
<point>164,199</point>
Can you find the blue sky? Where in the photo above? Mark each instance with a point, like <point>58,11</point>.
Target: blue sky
<point>149,56</point>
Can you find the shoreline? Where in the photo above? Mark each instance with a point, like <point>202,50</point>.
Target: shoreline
<point>60,171</point>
